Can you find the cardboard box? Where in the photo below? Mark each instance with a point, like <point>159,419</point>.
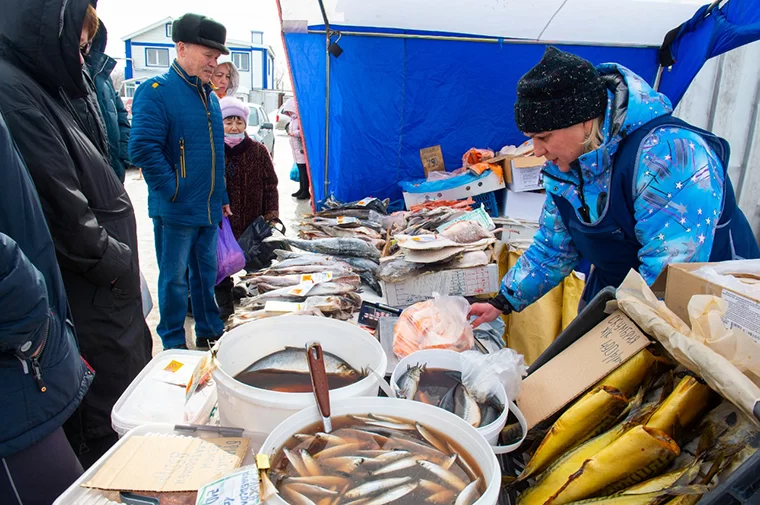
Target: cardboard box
<point>525,206</point>
<point>525,173</point>
<point>432,160</point>
<point>459,281</point>
<point>569,374</point>
<point>681,284</point>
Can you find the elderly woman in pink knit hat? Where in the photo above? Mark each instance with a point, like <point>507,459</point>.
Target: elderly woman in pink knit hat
<point>251,181</point>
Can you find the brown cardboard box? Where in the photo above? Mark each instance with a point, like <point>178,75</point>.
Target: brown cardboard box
<point>591,358</point>
<point>521,173</point>
<point>681,284</point>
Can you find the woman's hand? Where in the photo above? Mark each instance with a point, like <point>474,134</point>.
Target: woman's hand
<point>226,211</point>
<point>485,313</point>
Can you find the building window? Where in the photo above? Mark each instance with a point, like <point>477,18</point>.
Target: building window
<point>157,57</point>
<point>129,89</point>
<point>242,61</point>
<point>168,30</point>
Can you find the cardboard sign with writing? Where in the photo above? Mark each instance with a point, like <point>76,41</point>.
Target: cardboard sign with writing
<point>591,358</point>
<point>168,463</point>
<point>432,159</point>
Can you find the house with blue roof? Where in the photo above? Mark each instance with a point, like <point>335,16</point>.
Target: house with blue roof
<point>150,51</point>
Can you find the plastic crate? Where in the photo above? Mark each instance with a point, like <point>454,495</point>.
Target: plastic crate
<point>489,203</point>
<point>742,487</point>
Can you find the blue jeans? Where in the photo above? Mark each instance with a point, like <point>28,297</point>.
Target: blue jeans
<point>179,249</point>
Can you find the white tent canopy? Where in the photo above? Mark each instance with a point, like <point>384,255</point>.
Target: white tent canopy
<point>624,22</point>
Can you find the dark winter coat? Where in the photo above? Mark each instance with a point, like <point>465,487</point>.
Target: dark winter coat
<point>34,315</point>
<point>251,184</point>
<point>89,214</point>
<point>115,116</point>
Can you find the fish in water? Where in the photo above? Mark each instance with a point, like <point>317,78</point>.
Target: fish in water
<point>333,246</point>
<point>444,388</point>
<point>288,371</point>
<point>375,460</point>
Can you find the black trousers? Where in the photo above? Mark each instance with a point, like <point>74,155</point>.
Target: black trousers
<point>39,474</point>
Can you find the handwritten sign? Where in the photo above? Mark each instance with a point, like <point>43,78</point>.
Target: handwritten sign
<point>580,366</point>
<point>432,159</point>
<point>239,488</point>
<point>159,463</point>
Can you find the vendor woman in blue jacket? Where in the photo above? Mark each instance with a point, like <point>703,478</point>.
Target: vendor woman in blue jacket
<point>627,185</point>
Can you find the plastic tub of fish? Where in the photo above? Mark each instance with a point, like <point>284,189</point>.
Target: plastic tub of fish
<point>271,353</point>
<point>395,451</point>
<point>434,377</point>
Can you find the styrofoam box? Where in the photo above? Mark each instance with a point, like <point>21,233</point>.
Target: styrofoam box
<point>148,400</point>
<point>78,495</point>
<point>491,182</point>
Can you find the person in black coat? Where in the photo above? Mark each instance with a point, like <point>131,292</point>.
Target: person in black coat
<point>89,213</point>
<point>42,377</point>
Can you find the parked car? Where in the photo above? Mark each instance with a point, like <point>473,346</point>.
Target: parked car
<point>282,120</point>
<point>259,127</point>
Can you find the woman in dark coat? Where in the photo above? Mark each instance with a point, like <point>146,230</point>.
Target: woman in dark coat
<point>251,183</point>
<point>87,209</point>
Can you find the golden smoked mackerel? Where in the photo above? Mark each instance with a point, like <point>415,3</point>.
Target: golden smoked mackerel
<point>587,418</point>
<point>687,401</point>
<point>632,458</point>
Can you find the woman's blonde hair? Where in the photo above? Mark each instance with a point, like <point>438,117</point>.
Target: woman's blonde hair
<point>234,78</point>
<point>595,137</point>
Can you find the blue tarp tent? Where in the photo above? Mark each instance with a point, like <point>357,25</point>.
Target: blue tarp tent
<point>429,72</point>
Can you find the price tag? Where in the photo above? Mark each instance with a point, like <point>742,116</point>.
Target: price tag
<point>346,220</point>
<point>301,289</point>
<point>277,306</point>
<point>364,203</point>
<point>424,238</point>
<point>317,277</point>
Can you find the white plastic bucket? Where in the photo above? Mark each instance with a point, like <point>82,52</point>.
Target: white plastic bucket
<point>262,410</point>
<point>450,360</point>
<point>445,422</point>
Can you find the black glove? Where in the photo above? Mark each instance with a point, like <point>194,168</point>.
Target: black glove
<point>500,302</point>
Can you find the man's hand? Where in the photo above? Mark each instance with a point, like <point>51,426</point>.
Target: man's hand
<point>485,312</point>
<point>226,211</point>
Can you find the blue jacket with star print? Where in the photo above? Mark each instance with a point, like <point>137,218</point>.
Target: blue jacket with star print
<point>674,203</point>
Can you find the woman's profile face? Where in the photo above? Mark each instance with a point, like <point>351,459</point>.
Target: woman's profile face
<point>561,146</point>
<point>84,44</point>
<point>221,78</point>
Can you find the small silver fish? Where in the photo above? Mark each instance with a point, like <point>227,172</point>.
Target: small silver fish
<point>293,359</point>
<point>344,464</point>
<point>443,497</point>
<point>397,465</point>
<point>310,489</point>
<point>394,494</point>
<point>430,437</point>
<point>338,450</point>
<point>375,486</point>
<point>444,475</point>
<point>320,480</point>
<point>295,498</point>
<point>310,463</point>
<point>409,381</point>
<point>295,460</point>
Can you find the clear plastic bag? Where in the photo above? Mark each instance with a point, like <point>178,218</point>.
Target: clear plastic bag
<point>474,156</point>
<point>482,373</point>
<point>440,323</point>
<point>229,256</point>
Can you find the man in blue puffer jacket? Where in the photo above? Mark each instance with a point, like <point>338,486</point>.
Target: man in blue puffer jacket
<point>178,141</point>
<point>42,377</point>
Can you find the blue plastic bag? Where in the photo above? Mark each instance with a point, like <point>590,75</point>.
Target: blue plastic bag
<point>294,173</point>
<point>229,256</point>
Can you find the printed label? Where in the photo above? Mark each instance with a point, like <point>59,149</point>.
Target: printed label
<point>364,203</point>
<point>316,278</point>
<point>276,306</point>
<point>742,313</point>
<point>346,220</point>
<point>174,366</point>
<point>301,289</point>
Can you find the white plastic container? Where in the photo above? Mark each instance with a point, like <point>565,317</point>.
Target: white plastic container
<point>148,400</point>
<point>262,410</point>
<point>451,360</point>
<point>445,422</point>
<point>78,495</point>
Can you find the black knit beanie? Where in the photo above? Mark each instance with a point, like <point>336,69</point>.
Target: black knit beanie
<point>561,90</point>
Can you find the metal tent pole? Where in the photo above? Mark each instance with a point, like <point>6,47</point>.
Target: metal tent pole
<point>328,33</point>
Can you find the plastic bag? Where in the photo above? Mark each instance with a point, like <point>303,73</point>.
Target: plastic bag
<point>482,373</point>
<point>294,176</point>
<point>474,156</point>
<point>440,323</point>
<point>259,254</point>
<point>229,256</point>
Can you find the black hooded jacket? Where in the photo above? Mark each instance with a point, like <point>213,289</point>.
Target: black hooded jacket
<point>89,214</point>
